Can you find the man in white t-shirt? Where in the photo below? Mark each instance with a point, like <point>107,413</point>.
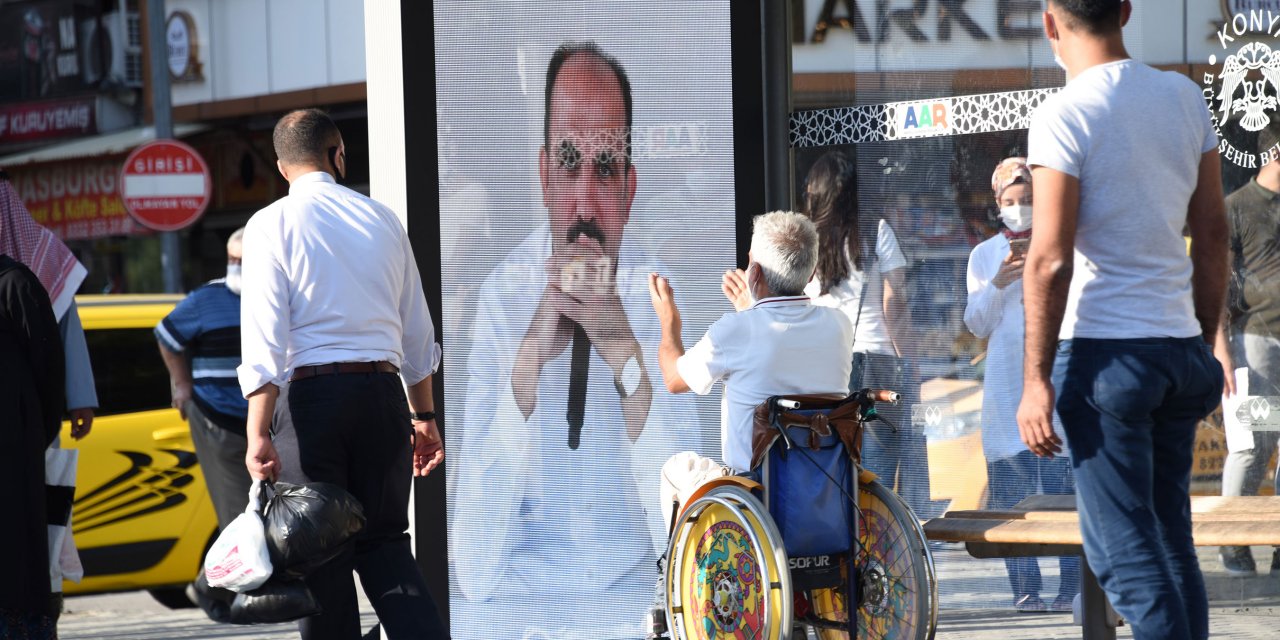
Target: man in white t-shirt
<point>782,345</point>
<point>1109,284</point>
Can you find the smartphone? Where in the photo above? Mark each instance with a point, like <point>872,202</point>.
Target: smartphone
<point>1018,246</point>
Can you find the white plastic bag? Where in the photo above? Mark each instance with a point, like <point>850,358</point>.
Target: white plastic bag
<point>238,560</point>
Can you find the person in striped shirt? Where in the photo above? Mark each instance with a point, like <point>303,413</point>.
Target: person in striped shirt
<point>200,343</point>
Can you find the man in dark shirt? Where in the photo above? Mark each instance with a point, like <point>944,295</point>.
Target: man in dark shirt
<point>1248,338</point>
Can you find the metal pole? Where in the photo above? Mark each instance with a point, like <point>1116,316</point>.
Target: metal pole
<point>776,32</point>
<point>162,120</point>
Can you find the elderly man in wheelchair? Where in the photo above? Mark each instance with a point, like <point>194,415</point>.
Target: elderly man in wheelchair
<point>789,538</point>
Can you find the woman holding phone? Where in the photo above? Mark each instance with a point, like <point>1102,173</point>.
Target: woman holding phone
<point>994,311</point>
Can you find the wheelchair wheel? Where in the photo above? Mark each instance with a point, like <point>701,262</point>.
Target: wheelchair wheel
<point>727,573</point>
<point>898,591</point>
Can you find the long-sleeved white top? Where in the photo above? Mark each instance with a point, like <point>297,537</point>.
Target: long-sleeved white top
<point>329,276</point>
<point>532,515</point>
<point>997,314</point>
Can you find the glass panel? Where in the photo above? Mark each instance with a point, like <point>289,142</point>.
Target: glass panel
<point>866,75</point>
<point>128,371</point>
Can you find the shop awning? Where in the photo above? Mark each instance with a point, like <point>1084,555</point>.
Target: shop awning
<point>105,144</point>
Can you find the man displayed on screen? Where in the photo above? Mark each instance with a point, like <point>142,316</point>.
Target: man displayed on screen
<point>565,432</point>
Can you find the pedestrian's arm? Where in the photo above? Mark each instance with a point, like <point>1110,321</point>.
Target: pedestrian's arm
<point>1048,270</point>
<point>985,304</point>
<point>428,446</point>
<point>896,315</point>
<point>671,347</point>
<point>179,376</point>
<point>261,458</point>
<point>1207,221</point>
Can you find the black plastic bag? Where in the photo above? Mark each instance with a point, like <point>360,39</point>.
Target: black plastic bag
<point>307,525</point>
<point>275,601</point>
<point>215,602</point>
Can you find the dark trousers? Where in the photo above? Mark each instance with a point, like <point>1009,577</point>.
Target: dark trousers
<point>1130,409</point>
<point>221,453</point>
<point>1009,481</point>
<point>353,430</point>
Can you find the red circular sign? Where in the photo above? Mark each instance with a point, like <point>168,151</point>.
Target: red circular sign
<point>165,185</point>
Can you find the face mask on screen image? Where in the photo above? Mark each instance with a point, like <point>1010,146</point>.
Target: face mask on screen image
<point>233,278</point>
<point>1017,217</point>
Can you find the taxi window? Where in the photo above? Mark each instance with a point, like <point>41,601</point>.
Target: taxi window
<point>128,371</point>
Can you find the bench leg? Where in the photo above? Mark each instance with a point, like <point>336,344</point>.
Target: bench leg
<point>1094,606</point>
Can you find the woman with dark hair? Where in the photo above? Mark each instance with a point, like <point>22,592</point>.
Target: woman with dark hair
<point>861,271</point>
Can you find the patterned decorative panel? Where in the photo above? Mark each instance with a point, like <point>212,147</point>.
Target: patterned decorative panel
<point>983,113</point>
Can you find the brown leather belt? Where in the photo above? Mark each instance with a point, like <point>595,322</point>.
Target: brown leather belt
<point>309,371</point>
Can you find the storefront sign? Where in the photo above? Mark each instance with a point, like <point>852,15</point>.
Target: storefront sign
<point>180,35</point>
<point>75,200</point>
<point>165,185</point>
<point>877,35</point>
<point>46,120</point>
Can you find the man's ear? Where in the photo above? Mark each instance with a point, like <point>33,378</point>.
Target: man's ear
<point>543,172</point>
<point>283,171</point>
<point>631,193</point>
<point>1050,25</point>
<point>1126,10</point>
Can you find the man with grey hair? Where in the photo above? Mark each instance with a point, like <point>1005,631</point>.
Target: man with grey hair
<point>781,345</point>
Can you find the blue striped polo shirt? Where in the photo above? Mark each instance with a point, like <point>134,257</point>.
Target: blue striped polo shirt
<point>206,326</point>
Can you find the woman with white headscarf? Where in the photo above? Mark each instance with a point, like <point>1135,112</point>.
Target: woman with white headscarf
<point>995,311</point>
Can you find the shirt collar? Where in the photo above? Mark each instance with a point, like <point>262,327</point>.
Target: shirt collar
<point>782,301</point>
<point>308,178</point>
<point>1261,191</point>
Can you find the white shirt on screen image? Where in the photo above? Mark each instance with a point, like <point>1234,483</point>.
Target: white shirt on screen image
<point>535,521</point>
<point>869,324</point>
<point>779,346</point>
<point>329,276</point>
<point>1134,137</point>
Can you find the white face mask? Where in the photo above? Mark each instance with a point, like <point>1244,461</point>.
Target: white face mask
<point>233,278</point>
<point>1017,217</point>
<point>1058,59</point>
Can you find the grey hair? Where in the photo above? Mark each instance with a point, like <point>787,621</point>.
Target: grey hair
<point>236,236</point>
<point>785,245</point>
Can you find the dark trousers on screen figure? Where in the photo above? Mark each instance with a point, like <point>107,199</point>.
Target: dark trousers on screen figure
<point>353,430</point>
<point>1131,409</point>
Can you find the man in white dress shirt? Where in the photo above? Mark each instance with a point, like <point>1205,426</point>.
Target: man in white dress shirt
<point>332,309</point>
<point>564,432</point>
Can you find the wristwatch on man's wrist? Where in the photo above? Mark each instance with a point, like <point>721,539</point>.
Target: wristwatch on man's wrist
<point>423,416</point>
<point>628,381</point>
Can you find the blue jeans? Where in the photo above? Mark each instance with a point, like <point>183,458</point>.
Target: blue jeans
<point>1130,409</point>
<point>1009,481</point>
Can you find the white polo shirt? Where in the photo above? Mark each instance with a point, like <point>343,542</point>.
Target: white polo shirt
<point>779,346</point>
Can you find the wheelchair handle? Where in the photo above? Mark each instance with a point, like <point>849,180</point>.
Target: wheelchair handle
<point>883,395</point>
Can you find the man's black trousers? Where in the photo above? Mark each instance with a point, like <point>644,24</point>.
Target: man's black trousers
<point>353,430</point>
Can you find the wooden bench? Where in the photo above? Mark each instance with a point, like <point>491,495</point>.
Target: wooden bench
<point>1050,526</point>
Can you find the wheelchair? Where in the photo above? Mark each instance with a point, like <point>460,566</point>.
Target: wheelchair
<point>805,560</point>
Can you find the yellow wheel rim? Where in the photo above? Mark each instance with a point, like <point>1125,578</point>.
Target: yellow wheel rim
<point>716,589</point>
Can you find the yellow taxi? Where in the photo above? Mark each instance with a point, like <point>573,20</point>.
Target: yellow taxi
<point>142,518</point>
